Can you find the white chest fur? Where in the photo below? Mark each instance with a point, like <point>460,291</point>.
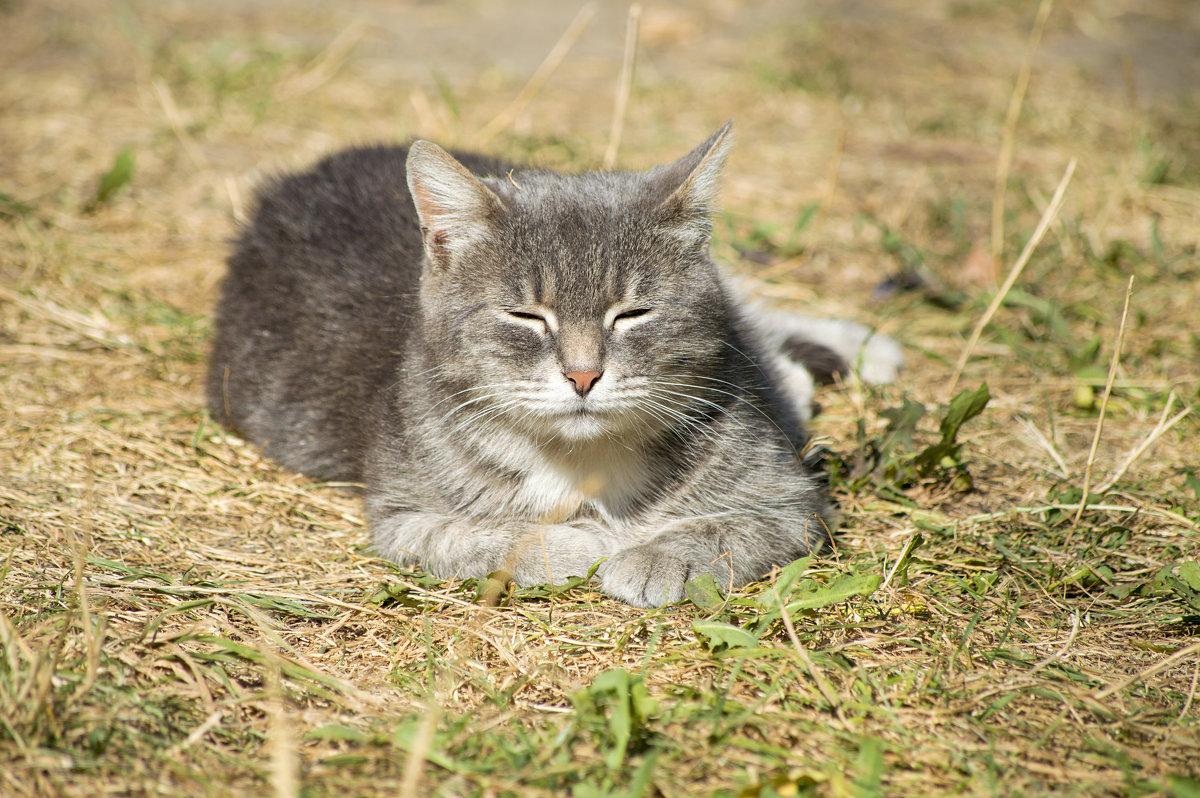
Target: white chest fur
<point>603,478</point>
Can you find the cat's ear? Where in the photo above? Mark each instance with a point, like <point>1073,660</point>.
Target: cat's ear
<point>689,186</point>
<point>453,205</point>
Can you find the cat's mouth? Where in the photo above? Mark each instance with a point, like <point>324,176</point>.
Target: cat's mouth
<point>581,413</point>
<point>581,421</point>
<point>578,406</point>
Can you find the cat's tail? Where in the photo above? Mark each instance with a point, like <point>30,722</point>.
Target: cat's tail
<point>832,348</point>
<point>807,352</point>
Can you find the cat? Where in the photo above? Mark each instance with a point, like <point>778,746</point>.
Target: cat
<point>529,372</point>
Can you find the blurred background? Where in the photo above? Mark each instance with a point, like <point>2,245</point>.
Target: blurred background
<point>857,121</point>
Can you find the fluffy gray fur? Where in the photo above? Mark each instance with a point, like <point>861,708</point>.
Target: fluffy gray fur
<point>529,371</point>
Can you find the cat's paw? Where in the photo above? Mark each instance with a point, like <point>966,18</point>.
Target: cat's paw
<point>652,574</point>
<point>550,554</point>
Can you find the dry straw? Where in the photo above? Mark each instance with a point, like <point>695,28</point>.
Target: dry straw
<point>623,86</point>
<point>180,616</point>
<point>1044,223</point>
<point>539,77</point>
<point>1008,144</point>
<point>1108,384</point>
<point>1164,424</point>
<point>323,68</point>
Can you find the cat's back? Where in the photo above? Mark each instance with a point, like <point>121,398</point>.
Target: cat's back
<point>350,213</point>
<point>315,308</point>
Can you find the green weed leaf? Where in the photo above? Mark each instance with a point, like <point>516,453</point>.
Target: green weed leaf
<point>719,633</point>
<point>963,408</point>
<point>704,592</point>
<point>902,423</point>
<point>1183,787</point>
<point>617,707</point>
<point>798,593</point>
<point>1186,585</point>
<point>1189,572</point>
<point>869,767</point>
<point>789,575</point>
<point>944,453</point>
<point>405,737</point>
<point>890,462</point>
<point>838,590</point>
<point>118,175</point>
<point>1192,481</point>
<point>393,594</point>
<point>337,732</point>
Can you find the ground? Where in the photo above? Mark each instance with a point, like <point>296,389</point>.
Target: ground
<point>1015,612</point>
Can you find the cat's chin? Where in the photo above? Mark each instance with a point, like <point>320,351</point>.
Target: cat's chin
<point>581,425</point>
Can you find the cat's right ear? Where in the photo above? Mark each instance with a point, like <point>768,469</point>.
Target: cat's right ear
<point>454,206</point>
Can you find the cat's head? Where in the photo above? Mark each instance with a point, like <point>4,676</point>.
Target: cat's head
<point>573,305</point>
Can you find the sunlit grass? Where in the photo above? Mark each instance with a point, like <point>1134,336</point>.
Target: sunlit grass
<point>180,617</point>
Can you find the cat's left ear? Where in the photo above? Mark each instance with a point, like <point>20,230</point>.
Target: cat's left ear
<point>689,186</point>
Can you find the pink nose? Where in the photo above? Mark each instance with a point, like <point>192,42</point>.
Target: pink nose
<point>583,380</point>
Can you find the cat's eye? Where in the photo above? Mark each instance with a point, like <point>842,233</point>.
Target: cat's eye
<point>629,317</point>
<point>542,322</point>
<point>631,314</point>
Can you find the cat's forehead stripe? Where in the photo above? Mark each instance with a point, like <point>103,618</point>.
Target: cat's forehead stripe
<point>539,294</point>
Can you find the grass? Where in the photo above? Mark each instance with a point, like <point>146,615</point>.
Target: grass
<point>178,616</point>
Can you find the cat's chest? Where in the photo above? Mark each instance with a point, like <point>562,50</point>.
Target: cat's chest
<point>600,485</point>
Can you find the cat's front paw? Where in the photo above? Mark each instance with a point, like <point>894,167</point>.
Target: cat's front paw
<point>653,574</point>
<point>550,554</point>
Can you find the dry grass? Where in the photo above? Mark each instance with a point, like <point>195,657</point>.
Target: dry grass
<point>180,617</point>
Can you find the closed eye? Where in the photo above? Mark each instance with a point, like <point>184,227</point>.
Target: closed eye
<point>544,323</point>
<point>631,314</point>
<point>628,318</point>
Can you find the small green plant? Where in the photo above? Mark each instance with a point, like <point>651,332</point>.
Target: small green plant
<point>13,208</point>
<point>615,710</point>
<point>119,175</point>
<point>890,462</point>
<point>794,591</point>
<point>741,623</point>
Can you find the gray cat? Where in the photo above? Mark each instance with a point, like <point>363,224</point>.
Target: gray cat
<point>529,371</point>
